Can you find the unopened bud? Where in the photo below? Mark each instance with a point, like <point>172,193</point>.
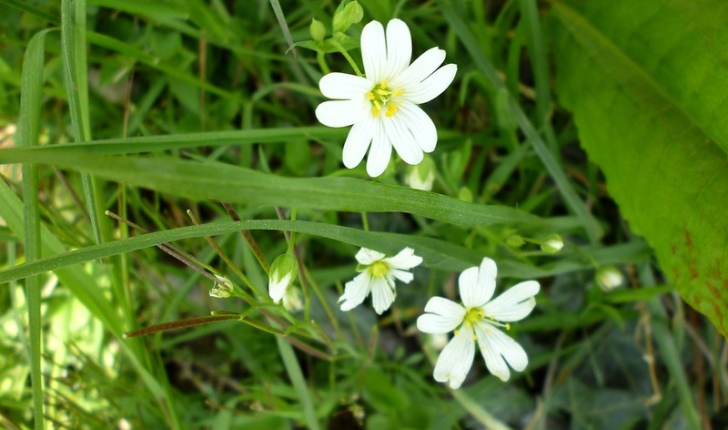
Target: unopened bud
<point>552,244</point>
<point>344,18</point>
<point>609,278</point>
<point>282,273</point>
<point>318,31</point>
<point>421,176</point>
<point>223,289</point>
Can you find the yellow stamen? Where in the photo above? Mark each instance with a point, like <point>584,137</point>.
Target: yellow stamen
<point>381,97</point>
<point>378,269</point>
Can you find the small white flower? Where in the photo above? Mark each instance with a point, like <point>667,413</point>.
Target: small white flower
<point>421,176</point>
<point>479,319</point>
<point>377,276</point>
<point>382,106</point>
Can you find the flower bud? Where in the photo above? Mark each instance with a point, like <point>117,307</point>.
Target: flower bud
<point>344,18</point>
<point>421,176</point>
<point>552,244</point>
<point>514,241</point>
<point>292,299</point>
<point>609,278</point>
<point>222,290</point>
<point>282,273</point>
<point>465,195</point>
<point>317,29</point>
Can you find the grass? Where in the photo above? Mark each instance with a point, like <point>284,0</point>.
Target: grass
<point>194,121</point>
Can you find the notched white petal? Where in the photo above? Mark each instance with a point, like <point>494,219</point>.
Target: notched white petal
<point>402,140</point>
<point>368,256</point>
<point>456,359</point>
<point>514,304</point>
<point>357,143</point>
<point>468,285</point>
<point>402,275</point>
<point>341,113</point>
<point>343,86</point>
<point>419,124</point>
<point>382,296</point>
<point>446,308</point>
<point>421,68</point>
<point>373,51</point>
<point>405,259</point>
<point>399,46</point>
<point>379,153</point>
<point>486,278</point>
<point>442,320</point>
<point>433,85</point>
<point>355,291</point>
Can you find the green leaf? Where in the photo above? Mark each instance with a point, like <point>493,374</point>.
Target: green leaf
<point>647,86</point>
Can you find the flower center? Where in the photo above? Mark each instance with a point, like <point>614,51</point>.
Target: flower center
<point>382,97</point>
<point>472,316</point>
<point>378,269</point>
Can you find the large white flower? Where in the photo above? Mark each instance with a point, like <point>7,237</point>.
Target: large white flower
<point>377,276</point>
<point>382,106</point>
<point>479,319</point>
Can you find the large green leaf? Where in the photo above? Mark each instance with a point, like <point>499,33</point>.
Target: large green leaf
<point>647,83</point>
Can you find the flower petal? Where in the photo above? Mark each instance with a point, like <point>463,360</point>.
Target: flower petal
<point>433,86</point>
<point>405,259</point>
<point>374,51</point>
<point>455,360</point>
<point>342,113</point>
<point>486,278</point>
<point>277,287</point>
<point>399,46</point>
<point>357,142</point>
<point>402,275</point>
<point>445,316</point>
<point>402,140</point>
<point>468,285</point>
<point>368,256</point>
<point>355,291</point>
<point>498,348</point>
<point>342,86</point>
<point>514,304</point>
<point>379,153</point>
<point>421,68</point>
<point>419,124</point>
<point>382,295</point>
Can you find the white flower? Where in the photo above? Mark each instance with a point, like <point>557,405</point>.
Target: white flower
<point>479,319</point>
<point>382,107</point>
<point>421,176</point>
<point>377,276</point>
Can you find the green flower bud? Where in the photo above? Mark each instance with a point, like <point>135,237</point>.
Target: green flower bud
<point>318,31</point>
<point>421,176</point>
<point>465,195</point>
<point>552,244</point>
<point>282,273</point>
<point>344,18</point>
<point>222,290</point>
<point>609,278</point>
<point>515,241</point>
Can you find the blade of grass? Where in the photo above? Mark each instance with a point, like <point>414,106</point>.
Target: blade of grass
<point>669,351</point>
<point>299,383</point>
<point>221,182</point>
<point>28,132</point>
<point>591,226</point>
<point>437,254</point>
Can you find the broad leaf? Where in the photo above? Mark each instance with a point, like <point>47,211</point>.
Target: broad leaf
<point>647,84</point>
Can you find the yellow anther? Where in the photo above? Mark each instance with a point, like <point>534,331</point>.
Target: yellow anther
<point>370,95</point>
<point>397,93</point>
<point>381,97</point>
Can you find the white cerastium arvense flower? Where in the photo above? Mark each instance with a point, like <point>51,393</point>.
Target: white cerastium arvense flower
<point>479,318</point>
<point>377,276</point>
<point>382,105</point>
